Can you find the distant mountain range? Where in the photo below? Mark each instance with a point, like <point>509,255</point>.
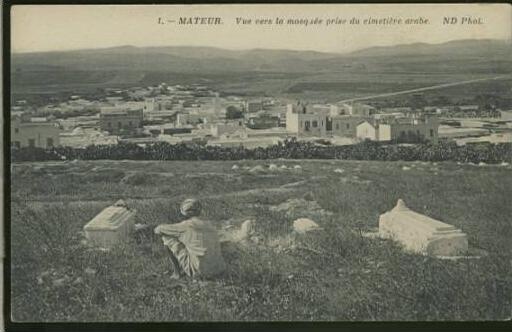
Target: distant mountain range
<point>211,59</point>
<point>172,58</point>
<point>462,48</point>
<point>256,70</point>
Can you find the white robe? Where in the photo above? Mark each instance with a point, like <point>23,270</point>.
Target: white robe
<point>195,244</point>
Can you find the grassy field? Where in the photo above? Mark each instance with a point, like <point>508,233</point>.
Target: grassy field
<point>335,274</point>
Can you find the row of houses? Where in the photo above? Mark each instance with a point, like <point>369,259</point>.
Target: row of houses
<point>405,130</point>
<point>299,122</point>
<point>360,121</point>
<point>355,121</point>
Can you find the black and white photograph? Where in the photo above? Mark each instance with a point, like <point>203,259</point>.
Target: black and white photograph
<point>259,163</point>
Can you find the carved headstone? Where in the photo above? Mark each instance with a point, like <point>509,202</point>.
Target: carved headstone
<point>422,234</point>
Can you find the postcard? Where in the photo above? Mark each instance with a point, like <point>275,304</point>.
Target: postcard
<point>259,162</point>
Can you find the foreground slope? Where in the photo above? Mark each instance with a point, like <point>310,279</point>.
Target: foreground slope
<point>333,275</point>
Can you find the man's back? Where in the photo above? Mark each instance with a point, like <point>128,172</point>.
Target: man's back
<point>196,245</point>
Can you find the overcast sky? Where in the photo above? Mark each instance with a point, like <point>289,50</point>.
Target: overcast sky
<point>45,28</point>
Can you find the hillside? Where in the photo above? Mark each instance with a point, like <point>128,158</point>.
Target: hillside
<point>175,58</point>
<point>461,48</point>
<point>109,66</point>
<point>336,274</point>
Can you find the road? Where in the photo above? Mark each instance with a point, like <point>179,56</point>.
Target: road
<point>433,87</point>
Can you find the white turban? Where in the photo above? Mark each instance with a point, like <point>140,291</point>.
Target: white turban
<point>190,207</point>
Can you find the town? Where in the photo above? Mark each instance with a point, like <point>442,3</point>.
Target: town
<point>200,163</point>
<point>198,114</point>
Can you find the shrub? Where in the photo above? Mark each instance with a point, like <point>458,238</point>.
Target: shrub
<point>290,149</point>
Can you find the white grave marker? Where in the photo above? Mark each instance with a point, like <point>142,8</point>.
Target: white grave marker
<point>422,234</point>
<point>111,226</point>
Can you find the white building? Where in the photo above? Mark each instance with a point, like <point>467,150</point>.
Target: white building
<point>374,131</point>
<point>227,128</point>
<point>39,133</point>
<point>344,125</point>
<point>367,131</point>
<point>191,119</point>
<point>116,119</point>
<point>302,120</point>
<point>403,130</point>
<point>301,123</point>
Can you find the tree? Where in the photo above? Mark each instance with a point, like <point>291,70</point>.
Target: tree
<point>233,113</point>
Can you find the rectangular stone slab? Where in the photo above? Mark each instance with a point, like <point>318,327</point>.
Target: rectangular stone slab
<point>422,234</point>
<point>110,227</point>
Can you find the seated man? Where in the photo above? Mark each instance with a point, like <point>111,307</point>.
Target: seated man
<point>193,243</point>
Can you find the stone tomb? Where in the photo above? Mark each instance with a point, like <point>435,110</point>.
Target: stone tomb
<point>422,234</point>
<point>111,226</point>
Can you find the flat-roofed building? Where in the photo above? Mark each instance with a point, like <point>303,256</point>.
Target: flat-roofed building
<point>367,131</point>
<point>37,132</point>
<point>373,131</point>
<point>414,129</point>
<point>227,128</point>
<point>411,129</point>
<point>301,123</point>
<point>306,120</point>
<point>187,119</point>
<point>118,120</point>
<point>344,125</point>
<point>263,121</point>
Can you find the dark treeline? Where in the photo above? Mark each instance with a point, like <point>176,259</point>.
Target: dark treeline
<point>290,149</point>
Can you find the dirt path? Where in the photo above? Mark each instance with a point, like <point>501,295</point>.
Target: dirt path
<point>433,87</point>
<point>287,187</point>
